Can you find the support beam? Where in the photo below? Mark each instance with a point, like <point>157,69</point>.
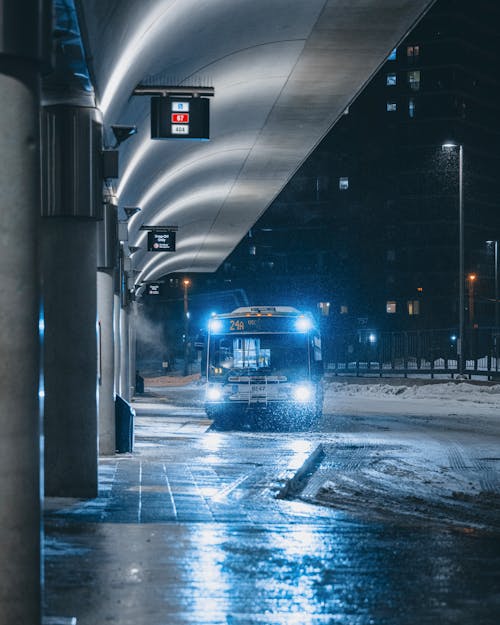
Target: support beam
<point>132,337</point>
<point>71,205</point>
<point>125,354</point>
<point>106,363</point>
<point>117,340</point>
<point>20,516</point>
<point>69,249</point>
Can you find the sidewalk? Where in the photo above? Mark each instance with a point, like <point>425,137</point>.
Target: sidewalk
<point>134,554</point>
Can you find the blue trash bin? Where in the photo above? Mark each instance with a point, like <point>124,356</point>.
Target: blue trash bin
<point>124,425</point>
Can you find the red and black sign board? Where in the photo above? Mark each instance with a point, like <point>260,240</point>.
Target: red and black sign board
<point>180,117</point>
<point>161,241</point>
<point>153,288</point>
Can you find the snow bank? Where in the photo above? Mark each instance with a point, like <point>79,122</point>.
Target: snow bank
<point>432,399</point>
<point>445,391</point>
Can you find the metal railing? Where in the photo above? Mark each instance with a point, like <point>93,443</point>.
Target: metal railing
<point>424,352</point>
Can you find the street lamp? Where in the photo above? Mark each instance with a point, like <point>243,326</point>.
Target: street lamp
<point>186,283</point>
<point>495,243</point>
<point>471,278</point>
<point>461,276</point>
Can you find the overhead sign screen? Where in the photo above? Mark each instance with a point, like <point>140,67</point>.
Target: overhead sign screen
<point>273,325</point>
<point>176,117</point>
<point>161,241</point>
<point>153,288</point>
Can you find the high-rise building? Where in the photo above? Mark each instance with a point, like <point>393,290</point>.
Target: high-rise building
<point>369,224</point>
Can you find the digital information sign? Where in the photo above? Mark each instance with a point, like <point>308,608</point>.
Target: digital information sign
<point>180,117</point>
<point>263,324</point>
<point>153,288</point>
<point>161,241</point>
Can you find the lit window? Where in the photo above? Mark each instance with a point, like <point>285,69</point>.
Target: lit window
<point>414,80</point>
<point>343,183</point>
<point>411,107</point>
<point>413,307</point>
<point>412,51</point>
<point>324,308</point>
<point>344,310</point>
<point>390,80</point>
<point>390,307</point>
<point>392,55</point>
<point>391,107</point>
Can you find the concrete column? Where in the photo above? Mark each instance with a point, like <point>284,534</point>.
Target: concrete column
<point>19,365</point>
<point>106,365</point>
<point>69,260</point>
<point>125,354</point>
<point>132,345</point>
<point>117,340</point>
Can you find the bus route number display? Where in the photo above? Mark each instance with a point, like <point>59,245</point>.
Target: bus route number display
<point>256,324</point>
<point>175,117</point>
<point>236,325</point>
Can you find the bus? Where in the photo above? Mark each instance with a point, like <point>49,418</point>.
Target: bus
<point>264,367</point>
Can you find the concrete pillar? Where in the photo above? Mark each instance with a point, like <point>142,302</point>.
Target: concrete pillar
<point>117,340</point>
<point>22,41</point>
<point>132,345</point>
<point>69,260</point>
<point>20,527</point>
<point>71,206</point>
<point>19,411</point>
<point>105,301</point>
<point>125,354</point>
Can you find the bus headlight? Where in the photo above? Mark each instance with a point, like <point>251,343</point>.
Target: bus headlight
<point>303,324</point>
<point>215,325</point>
<point>302,393</point>
<point>214,393</point>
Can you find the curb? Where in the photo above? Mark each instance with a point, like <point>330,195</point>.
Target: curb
<point>293,484</point>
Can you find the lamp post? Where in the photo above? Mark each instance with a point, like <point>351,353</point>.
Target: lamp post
<point>186,283</point>
<point>495,243</point>
<point>471,278</point>
<point>461,276</point>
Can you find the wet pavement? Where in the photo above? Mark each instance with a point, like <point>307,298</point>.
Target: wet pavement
<point>190,529</point>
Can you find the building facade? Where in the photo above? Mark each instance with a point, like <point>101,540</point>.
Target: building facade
<point>367,229</point>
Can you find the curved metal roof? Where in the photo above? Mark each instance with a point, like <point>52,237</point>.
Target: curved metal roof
<point>283,73</point>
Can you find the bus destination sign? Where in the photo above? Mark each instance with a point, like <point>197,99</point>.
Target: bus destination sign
<point>245,325</point>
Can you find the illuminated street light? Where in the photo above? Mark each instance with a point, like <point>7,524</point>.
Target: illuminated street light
<point>461,276</point>
<point>186,283</point>
<point>471,278</point>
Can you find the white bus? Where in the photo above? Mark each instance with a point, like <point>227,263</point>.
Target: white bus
<point>264,368</point>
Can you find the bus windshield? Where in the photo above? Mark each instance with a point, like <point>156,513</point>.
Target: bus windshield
<point>264,353</point>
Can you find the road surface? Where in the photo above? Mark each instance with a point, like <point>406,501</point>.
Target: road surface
<point>395,522</point>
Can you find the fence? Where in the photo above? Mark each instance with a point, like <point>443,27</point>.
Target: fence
<point>426,352</point>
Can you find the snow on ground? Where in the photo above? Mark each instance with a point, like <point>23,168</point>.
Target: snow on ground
<point>411,452</point>
<point>414,451</point>
<point>411,397</point>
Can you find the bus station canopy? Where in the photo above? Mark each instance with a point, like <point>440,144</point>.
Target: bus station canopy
<point>283,71</point>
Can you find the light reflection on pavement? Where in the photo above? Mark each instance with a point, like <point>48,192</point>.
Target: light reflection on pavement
<point>188,530</point>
